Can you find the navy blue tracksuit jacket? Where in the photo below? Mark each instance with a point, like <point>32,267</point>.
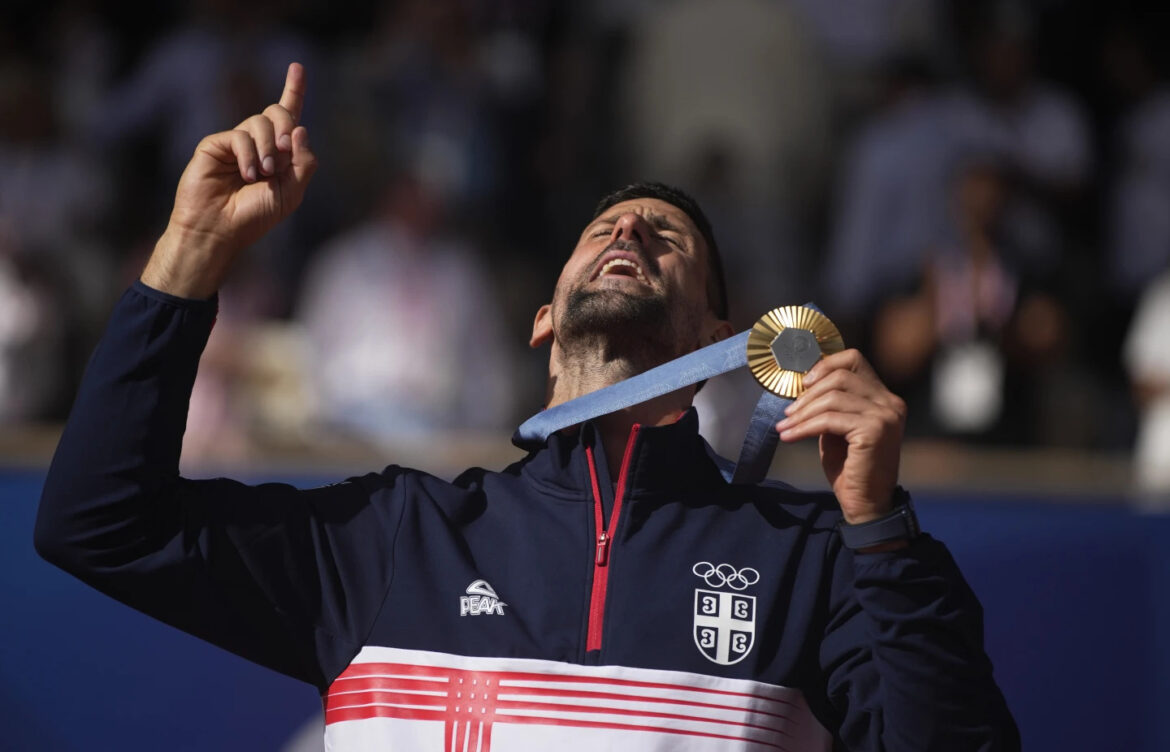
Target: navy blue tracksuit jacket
<point>543,606</point>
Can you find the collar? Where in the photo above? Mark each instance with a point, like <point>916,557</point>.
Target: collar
<point>665,459</point>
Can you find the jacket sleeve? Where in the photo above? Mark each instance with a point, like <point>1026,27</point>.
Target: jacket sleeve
<point>287,578</point>
<point>903,657</point>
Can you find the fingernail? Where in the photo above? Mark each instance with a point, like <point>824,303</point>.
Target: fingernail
<point>809,377</point>
<point>284,142</point>
<point>788,410</point>
<point>782,425</point>
<point>250,175</point>
<point>269,165</point>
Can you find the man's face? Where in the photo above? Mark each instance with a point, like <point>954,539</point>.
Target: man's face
<point>636,283</point>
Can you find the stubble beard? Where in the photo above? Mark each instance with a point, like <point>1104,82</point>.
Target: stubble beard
<point>614,325</point>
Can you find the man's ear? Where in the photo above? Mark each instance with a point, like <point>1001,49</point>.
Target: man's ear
<point>542,330</point>
<point>716,330</point>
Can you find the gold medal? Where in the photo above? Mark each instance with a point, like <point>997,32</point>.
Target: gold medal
<point>785,343</point>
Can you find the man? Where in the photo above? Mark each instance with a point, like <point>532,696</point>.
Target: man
<point>611,590</point>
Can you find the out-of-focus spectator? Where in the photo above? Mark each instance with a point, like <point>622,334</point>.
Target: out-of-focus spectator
<point>1147,358</point>
<point>82,53</point>
<point>419,81</point>
<point>454,89</point>
<point>32,337</point>
<point>404,330</point>
<point>53,195</point>
<point>54,271</point>
<point>970,347</point>
<point>1139,221</point>
<point>1041,132</point>
<point>893,205</point>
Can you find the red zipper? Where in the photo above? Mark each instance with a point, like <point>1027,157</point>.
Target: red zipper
<point>604,539</point>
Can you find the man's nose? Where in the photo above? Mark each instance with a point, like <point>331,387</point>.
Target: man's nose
<point>631,226</point>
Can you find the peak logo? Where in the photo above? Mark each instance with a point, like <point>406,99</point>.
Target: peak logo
<point>480,599</point>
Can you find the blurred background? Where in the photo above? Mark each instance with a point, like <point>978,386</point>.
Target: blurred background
<point>978,193</point>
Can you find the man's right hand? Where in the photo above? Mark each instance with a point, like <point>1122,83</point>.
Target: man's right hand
<point>236,187</point>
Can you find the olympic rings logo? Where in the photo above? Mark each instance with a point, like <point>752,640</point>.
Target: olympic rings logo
<point>725,574</point>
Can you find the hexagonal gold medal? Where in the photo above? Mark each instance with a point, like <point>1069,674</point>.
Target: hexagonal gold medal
<point>785,343</point>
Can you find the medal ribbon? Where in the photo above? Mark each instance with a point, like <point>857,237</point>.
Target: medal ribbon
<point>759,443</point>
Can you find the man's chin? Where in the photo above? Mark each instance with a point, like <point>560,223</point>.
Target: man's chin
<point>618,318</point>
<point>609,306</point>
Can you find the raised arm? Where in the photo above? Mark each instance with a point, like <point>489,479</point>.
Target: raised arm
<point>287,578</point>
<point>903,658</point>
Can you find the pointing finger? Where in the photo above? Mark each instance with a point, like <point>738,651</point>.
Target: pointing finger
<point>293,97</point>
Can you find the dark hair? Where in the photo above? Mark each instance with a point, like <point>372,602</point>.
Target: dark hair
<point>716,282</point>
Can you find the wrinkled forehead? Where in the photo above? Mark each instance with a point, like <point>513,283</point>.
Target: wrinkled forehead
<point>659,214</point>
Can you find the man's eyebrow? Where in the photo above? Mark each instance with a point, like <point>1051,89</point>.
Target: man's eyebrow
<point>663,222</point>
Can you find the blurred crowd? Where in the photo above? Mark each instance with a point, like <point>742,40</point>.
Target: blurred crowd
<point>977,193</point>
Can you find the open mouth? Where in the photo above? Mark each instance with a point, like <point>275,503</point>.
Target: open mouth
<point>621,266</point>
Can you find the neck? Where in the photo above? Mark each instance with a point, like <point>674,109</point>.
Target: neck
<point>615,428</point>
<point>582,376</point>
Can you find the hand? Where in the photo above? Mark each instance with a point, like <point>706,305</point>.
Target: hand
<point>236,187</point>
<point>860,425</point>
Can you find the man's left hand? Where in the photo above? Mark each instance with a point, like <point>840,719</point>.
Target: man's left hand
<point>860,425</point>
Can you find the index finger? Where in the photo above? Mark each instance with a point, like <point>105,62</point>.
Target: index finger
<point>293,96</point>
<point>850,360</point>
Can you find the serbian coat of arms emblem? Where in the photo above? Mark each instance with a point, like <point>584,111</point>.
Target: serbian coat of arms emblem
<point>725,620</point>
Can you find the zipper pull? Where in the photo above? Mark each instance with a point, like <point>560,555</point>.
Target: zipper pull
<point>602,549</point>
